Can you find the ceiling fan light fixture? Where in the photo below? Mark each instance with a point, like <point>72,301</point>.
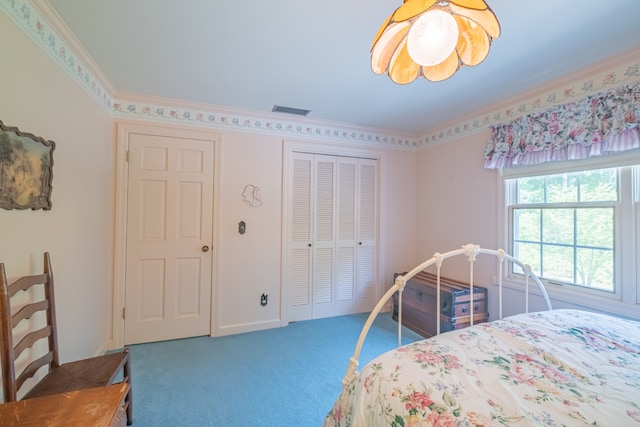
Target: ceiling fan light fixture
<point>436,40</point>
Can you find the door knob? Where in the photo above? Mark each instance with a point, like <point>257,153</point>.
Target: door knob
<point>205,248</point>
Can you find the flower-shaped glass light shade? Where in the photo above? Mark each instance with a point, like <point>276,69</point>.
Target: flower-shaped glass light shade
<point>407,45</point>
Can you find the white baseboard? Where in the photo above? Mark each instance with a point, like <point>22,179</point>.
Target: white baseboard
<point>248,327</point>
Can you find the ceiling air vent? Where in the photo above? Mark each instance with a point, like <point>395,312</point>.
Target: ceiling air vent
<point>289,110</point>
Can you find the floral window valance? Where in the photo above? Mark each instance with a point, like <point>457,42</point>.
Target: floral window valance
<point>602,124</point>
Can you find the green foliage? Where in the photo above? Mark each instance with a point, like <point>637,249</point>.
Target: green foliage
<point>564,226</point>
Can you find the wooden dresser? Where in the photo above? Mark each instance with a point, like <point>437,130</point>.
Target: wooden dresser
<point>419,304</point>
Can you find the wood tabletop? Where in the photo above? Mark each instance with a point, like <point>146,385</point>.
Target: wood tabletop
<point>94,407</point>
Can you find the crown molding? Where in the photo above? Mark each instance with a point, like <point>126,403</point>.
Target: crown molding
<point>42,23</point>
<point>66,51</point>
<point>139,107</point>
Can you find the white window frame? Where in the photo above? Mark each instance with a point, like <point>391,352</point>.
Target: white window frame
<point>626,300</point>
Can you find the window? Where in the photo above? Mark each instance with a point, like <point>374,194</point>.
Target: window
<point>564,225</point>
<point>578,225</point>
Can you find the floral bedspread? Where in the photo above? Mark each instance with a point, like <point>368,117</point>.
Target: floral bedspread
<point>553,368</point>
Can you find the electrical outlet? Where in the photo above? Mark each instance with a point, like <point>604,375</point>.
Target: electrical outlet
<point>264,299</point>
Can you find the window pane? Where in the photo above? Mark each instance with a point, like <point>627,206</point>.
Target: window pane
<point>527,224</point>
<point>557,226</point>
<point>599,186</point>
<point>595,268</point>
<point>528,253</point>
<point>558,263</point>
<point>530,190</point>
<point>586,186</point>
<point>562,188</point>
<point>595,227</point>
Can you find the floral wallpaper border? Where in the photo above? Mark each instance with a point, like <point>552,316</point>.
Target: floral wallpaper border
<point>247,122</point>
<point>30,20</point>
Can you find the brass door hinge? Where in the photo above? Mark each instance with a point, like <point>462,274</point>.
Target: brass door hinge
<point>123,312</point>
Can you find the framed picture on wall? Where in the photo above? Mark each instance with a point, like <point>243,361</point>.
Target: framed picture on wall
<point>26,170</point>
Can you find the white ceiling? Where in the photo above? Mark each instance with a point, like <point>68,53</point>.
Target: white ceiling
<point>315,54</point>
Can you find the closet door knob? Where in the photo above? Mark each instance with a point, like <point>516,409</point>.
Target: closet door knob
<point>205,248</point>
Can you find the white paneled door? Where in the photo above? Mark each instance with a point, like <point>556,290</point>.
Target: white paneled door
<point>169,238</point>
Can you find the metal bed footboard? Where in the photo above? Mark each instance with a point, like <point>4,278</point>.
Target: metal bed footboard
<point>471,251</point>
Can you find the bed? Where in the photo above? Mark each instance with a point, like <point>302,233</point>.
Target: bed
<point>552,367</point>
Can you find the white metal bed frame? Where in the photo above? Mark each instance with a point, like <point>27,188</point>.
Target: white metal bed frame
<point>471,251</point>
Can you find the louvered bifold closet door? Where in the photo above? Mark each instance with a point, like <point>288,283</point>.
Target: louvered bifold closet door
<point>335,266</point>
<point>366,295</point>
<point>324,245</point>
<point>330,268</point>
<point>300,208</point>
<point>345,287</point>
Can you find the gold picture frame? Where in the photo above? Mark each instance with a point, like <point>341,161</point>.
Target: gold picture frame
<point>26,170</point>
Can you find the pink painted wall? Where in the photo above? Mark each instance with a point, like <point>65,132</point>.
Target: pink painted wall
<point>40,98</point>
<point>456,196</point>
<point>456,205</point>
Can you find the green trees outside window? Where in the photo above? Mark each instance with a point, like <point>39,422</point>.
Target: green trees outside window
<point>564,225</point>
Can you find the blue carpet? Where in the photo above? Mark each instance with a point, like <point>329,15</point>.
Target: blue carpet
<point>279,377</point>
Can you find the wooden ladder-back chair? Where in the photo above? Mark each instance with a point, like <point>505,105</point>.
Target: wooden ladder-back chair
<point>82,374</point>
